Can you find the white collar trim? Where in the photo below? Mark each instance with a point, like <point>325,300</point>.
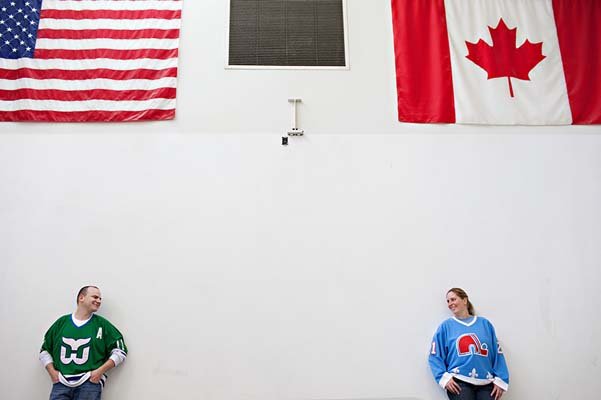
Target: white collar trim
<point>79,322</point>
<point>472,322</point>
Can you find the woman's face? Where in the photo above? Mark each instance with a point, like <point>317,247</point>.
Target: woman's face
<point>457,305</point>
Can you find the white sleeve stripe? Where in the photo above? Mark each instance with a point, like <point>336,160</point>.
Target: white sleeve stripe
<point>117,356</point>
<point>45,358</point>
<point>501,383</point>
<point>446,377</point>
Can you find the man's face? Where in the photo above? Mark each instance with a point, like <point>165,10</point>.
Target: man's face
<point>91,300</point>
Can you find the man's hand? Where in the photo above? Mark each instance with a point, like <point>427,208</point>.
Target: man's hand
<point>95,376</point>
<point>452,387</point>
<point>497,392</point>
<point>53,373</point>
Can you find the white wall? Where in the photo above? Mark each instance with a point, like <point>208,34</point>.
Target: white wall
<point>240,269</point>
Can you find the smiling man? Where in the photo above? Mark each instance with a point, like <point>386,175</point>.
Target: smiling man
<point>80,348</point>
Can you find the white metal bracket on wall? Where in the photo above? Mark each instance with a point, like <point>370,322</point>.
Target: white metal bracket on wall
<point>295,130</point>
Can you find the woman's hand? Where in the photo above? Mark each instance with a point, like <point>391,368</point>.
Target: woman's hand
<point>453,387</point>
<point>497,392</point>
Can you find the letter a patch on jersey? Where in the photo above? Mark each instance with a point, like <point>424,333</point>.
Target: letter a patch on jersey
<point>99,334</point>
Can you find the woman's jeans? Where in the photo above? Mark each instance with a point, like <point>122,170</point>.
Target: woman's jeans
<point>471,392</point>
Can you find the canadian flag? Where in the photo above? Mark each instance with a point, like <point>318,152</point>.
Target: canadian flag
<point>505,62</point>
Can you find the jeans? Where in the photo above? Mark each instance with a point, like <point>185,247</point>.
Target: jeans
<point>86,391</point>
<point>471,392</point>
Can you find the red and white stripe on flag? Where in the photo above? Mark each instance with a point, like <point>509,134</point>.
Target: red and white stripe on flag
<point>96,60</point>
<point>527,62</point>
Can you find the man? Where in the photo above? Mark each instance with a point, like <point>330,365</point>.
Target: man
<point>80,348</point>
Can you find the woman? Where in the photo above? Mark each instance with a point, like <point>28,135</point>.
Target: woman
<point>466,358</point>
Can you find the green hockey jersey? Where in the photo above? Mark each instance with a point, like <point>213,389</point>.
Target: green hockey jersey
<point>76,350</point>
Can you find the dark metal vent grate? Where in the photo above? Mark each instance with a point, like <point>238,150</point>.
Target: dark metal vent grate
<point>287,33</point>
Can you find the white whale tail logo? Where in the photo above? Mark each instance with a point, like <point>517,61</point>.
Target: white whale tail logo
<point>74,345</point>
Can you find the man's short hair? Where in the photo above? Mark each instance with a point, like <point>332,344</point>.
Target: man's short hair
<point>83,291</point>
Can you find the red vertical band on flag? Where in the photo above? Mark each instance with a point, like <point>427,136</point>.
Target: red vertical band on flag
<point>579,33</point>
<point>423,61</point>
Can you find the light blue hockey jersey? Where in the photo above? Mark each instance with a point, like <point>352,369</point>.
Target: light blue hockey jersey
<point>468,350</point>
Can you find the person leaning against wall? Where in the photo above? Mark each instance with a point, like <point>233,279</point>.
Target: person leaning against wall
<point>466,359</point>
<point>80,348</point>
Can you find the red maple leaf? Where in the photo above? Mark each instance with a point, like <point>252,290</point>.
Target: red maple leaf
<point>503,58</point>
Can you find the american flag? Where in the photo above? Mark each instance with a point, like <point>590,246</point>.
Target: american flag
<point>88,60</point>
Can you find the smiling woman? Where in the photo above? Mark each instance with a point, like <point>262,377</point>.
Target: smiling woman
<point>459,304</point>
<point>466,358</point>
